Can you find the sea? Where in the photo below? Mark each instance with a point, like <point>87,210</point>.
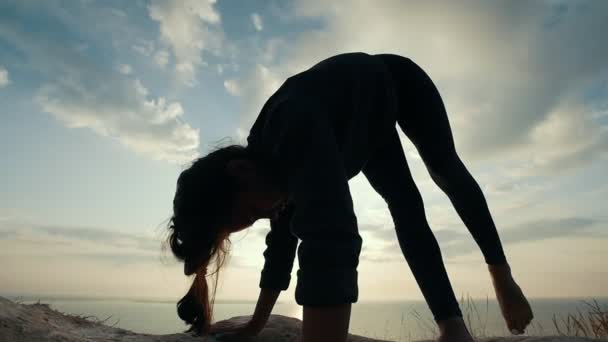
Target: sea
<point>395,321</point>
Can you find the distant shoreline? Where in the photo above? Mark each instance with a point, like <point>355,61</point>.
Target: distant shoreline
<point>33,297</point>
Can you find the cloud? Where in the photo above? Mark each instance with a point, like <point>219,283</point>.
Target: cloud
<point>161,58</point>
<point>381,259</point>
<point>94,261</point>
<point>148,48</point>
<point>4,78</point>
<point>125,69</point>
<point>33,239</point>
<point>257,85</point>
<point>256,19</point>
<point>459,242</point>
<point>566,139</point>
<point>530,231</point>
<point>514,78</point>
<point>42,259</point>
<point>187,27</point>
<point>122,110</point>
<point>510,65</point>
<point>145,47</point>
<point>232,87</point>
<point>81,92</point>
<point>551,228</point>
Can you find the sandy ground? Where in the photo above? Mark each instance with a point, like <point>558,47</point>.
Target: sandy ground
<point>38,322</point>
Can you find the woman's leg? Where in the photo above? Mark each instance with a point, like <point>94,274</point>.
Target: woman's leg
<point>388,173</point>
<point>423,118</point>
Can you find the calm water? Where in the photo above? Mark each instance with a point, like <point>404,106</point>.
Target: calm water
<point>398,321</point>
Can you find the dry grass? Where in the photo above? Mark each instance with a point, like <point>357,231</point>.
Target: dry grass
<point>590,323</point>
<point>74,318</point>
<point>475,319</point>
<point>472,318</point>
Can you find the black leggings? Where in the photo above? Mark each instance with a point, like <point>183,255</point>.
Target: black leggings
<point>423,119</point>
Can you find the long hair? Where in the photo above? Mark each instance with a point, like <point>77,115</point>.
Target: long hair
<point>203,199</point>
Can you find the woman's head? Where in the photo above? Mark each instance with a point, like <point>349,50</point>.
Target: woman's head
<point>219,194</point>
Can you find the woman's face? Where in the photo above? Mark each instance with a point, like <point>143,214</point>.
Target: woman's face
<point>245,212</point>
<point>253,204</point>
<point>255,199</point>
<point>250,206</point>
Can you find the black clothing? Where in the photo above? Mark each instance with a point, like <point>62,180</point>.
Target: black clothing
<point>351,92</point>
<point>320,129</point>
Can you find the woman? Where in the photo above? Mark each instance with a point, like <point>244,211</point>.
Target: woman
<point>317,131</point>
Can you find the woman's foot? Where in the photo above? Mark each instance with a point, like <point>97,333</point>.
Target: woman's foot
<point>453,330</point>
<point>514,306</point>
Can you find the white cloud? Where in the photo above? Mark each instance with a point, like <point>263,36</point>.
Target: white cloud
<point>52,240</point>
<point>498,80</point>
<point>149,49</point>
<point>256,19</point>
<point>256,85</point>
<point>185,26</point>
<point>503,70</point>
<point>241,136</point>
<point>161,58</point>
<point>4,79</point>
<point>232,87</point>
<point>123,110</point>
<point>79,260</point>
<point>91,261</point>
<point>566,139</point>
<point>125,69</point>
<point>504,73</point>
<point>145,47</point>
<point>83,94</point>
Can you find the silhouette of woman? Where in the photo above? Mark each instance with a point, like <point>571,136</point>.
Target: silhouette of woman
<point>318,130</point>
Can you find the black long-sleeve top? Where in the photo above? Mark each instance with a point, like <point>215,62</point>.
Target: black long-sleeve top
<point>316,132</point>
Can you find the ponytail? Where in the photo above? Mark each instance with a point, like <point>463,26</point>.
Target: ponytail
<point>194,307</point>
<point>204,196</point>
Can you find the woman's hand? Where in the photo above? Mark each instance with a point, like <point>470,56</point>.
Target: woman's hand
<point>234,330</point>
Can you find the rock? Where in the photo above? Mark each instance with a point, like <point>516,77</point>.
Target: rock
<point>38,322</point>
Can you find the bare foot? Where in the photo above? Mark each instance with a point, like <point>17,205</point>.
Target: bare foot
<point>453,330</point>
<point>514,306</point>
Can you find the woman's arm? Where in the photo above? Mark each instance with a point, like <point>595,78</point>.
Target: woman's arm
<point>276,275</point>
<point>325,221</point>
<point>326,324</point>
<point>263,308</point>
<point>318,323</point>
<point>239,330</point>
<point>280,252</point>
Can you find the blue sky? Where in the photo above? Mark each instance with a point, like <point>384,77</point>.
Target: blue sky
<point>105,102</point>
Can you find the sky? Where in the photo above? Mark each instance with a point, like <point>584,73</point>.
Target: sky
<point>104,103</point>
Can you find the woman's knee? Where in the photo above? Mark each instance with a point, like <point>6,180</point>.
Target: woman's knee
<point>446,170</point>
